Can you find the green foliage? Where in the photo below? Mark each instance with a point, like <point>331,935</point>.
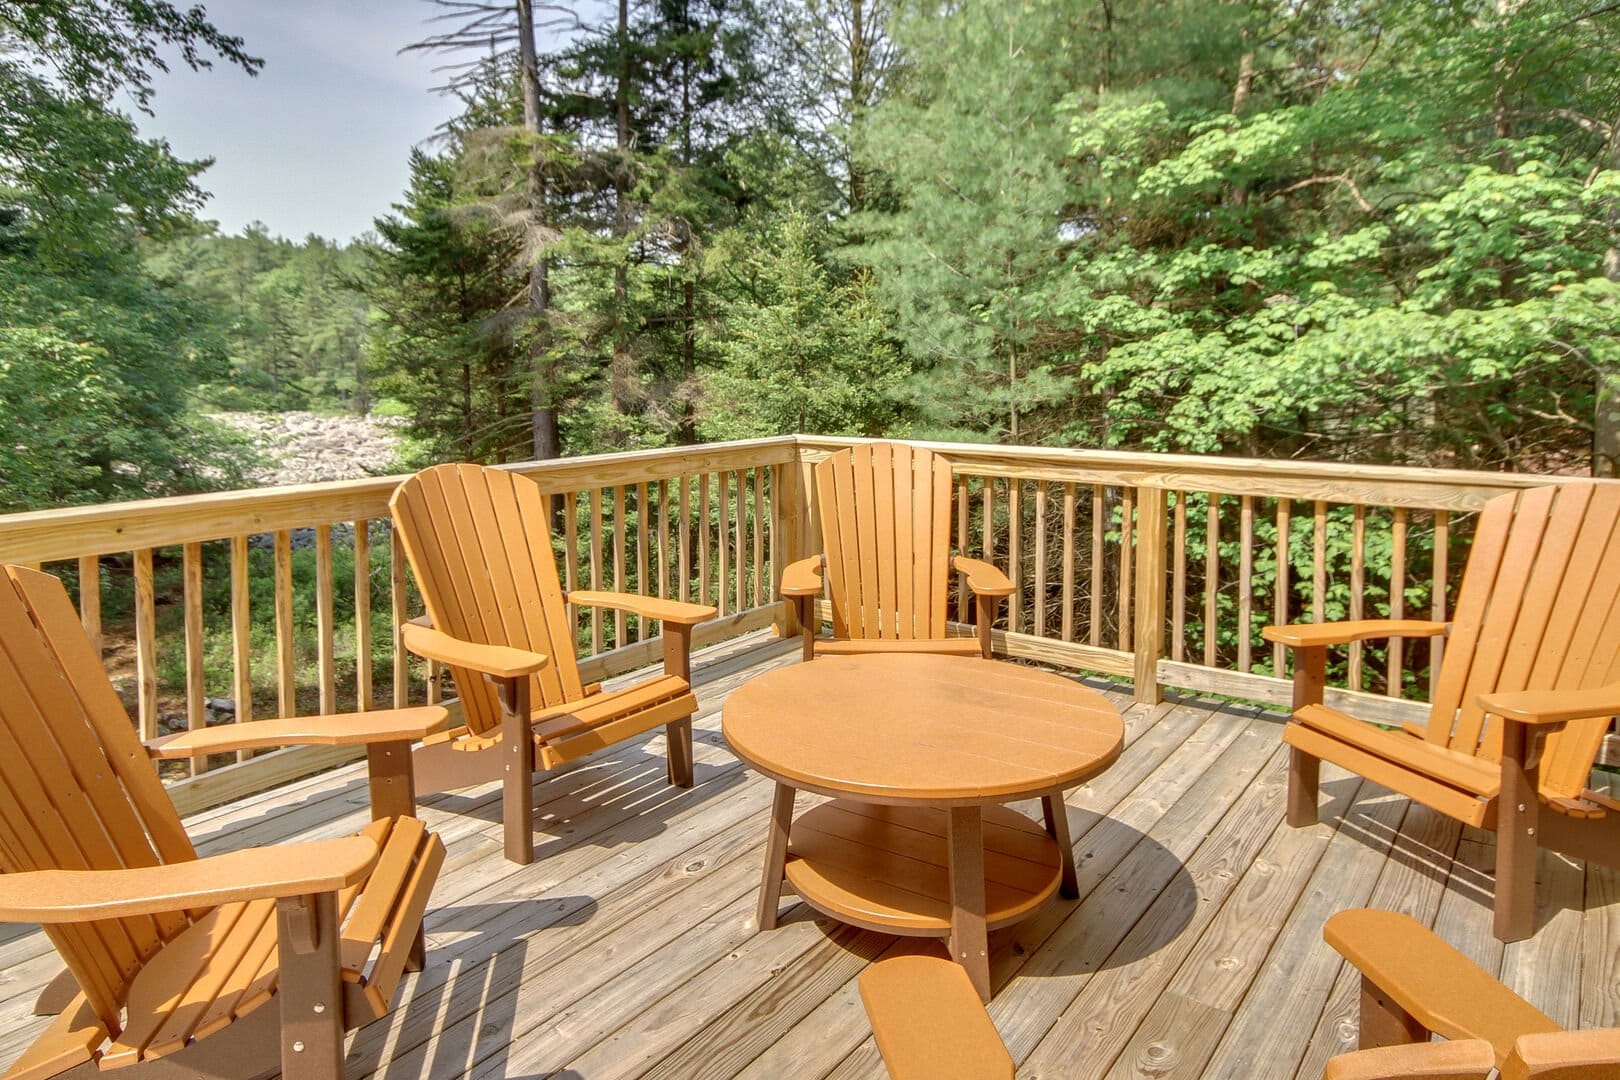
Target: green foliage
<point>292,317</point>
<point>98,357</point>
<point>975,165</point>
<point>803,352</point>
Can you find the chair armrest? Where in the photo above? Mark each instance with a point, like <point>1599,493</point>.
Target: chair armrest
<point>651,607</point>
<point>344,729</point>
<point>499,661</point>
<point>982,578</point>
<point>929,1022</point>
<point>803,578</point>
<point>1553,706</point>
<point>1466,1059</point>
<point>69,896</point>
<point>1440,987</point>
<point>1309,635</point>
<point>1595,1052</point>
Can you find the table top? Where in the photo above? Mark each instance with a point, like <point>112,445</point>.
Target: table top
<point>901,728</point>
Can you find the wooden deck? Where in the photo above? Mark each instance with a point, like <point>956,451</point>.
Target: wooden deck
<point>628,948</point>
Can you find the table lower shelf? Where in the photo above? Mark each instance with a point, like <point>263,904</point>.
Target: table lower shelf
<point>886,868</point>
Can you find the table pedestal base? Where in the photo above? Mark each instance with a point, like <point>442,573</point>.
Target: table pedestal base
<point>890,869</point>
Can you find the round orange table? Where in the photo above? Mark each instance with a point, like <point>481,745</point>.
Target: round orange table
<point>918,753</point>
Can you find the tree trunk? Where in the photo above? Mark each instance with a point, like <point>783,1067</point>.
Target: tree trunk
<point>542,387</point>
<point>859,55</point>
<point>621,374</point>
<point>1606,413</point>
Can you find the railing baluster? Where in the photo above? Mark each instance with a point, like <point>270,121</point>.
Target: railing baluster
<point>1437,608</point>
<point>595,497</point>
<point>1015,550</point>
<point>987,532</point>
<point>739,560</point>
<point>324,631</point>
<point>196,690</point>
<point>241,635</point>
<point>399,612</point>
<point>722,584</point>
<point>663,487</point>
<point>641,554</point>
<point>703,538</point>
<point>571,558</point>
<point>1127,529</point>
<point>1148,588</point>
<point>1095,615</point>
<point>1397,600</point>
<point>1212,578</point>
<point>145,645</point>
<point>685,541</point>
<point>90,599</point>
<point>1319,562</point>
<point>1245,596</point>
<point>961,545</point>
<point>363,698</point>
<point>1279,602</point>
<point>759,536</point>
<point>1178,587</point>
<point>1358,586</point>
<point>1068,562</point>
<point>619,584</point>
<point>286,670</point>
<point>1037,609</point>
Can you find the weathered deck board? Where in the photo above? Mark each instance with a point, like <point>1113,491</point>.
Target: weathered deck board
<point>627,949</point>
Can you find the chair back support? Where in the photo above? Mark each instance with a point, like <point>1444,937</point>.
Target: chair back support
<point>1537,611</point>
<point>77,791</point>
<point>886,529</point>
<point>479,542</point>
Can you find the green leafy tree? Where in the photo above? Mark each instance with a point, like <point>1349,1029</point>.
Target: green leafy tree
<point>803,352</point>
<point>97,356</point>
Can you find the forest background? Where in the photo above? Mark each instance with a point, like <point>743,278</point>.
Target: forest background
<point>1361,230</point>
<point>1357,230</point>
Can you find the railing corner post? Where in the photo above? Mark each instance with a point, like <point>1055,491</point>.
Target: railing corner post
<point>1151,568</point>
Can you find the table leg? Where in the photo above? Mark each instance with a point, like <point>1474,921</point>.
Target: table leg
<point>1057,827</point>
<point>776,842</point>
<point>970,944</point>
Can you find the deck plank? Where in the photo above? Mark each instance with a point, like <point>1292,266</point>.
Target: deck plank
<point>629,948</point>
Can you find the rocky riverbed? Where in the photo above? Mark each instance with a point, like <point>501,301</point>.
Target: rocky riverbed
<point>307,448</point>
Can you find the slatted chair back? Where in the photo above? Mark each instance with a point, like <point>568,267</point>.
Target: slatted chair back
<point>885,527</point>
<point>77,790</point>
<point>1539,610</point>
<point>479,542</point>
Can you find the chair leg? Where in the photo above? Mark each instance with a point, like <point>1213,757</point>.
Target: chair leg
<point>517,777</point>
<point>1304,784</point>
<point>1516,811</point>
<point>679,737</point>
<point>311,989</point>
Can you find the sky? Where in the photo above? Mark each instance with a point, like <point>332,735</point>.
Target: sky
<point>317,141</point>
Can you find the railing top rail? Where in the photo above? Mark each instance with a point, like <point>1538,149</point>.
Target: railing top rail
<point>1379,485</point>
<point>109,528</point>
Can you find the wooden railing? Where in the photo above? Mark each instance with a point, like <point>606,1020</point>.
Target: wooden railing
<point>687,523</point>
<point>1164,568</point>
<point>1157,568</point>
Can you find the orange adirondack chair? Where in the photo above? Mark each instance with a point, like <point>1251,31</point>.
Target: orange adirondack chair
<point>1529,683</point>
<point>886,530</point>
<point>184,966</point>
<point>479,542</point>
<point>1413,984</point>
